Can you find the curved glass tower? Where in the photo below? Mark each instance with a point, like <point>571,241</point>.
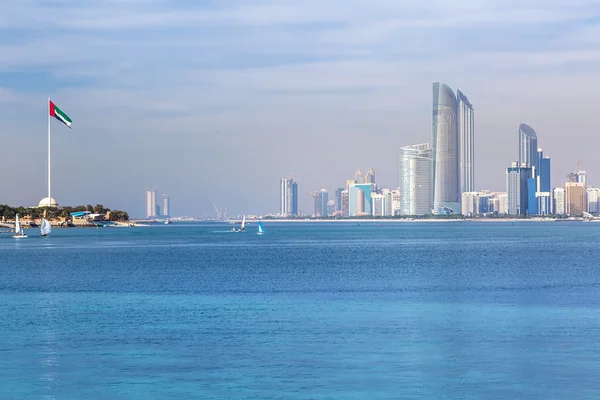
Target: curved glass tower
<point>528,147</point>
<point>446,196</point>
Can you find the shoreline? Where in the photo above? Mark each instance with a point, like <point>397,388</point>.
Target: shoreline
<point>392,220</point>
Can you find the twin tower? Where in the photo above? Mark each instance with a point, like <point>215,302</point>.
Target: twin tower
<point>453,149</point>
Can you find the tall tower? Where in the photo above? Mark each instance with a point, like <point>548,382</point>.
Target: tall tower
<point>415,169</point>
<point>370,176</point>
<point>528,147</point>
<point>166,205</point>
<point>466,137</point>
<point>151,203</point>
<point>288,197</point>
<point>359,177</point>
<point>446,181</point>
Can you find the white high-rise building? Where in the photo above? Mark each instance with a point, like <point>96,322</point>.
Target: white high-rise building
<point>166,211</point>
<point>470,203</point>
<point>558,201</point>
<point>416,184</point>
<point>503,203</point>
<point>151,203</point>
<point>593,200</point>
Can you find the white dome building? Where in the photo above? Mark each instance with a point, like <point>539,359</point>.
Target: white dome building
<point>44,202</point>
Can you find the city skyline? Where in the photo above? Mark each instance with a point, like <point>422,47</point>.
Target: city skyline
<point>253,90</point>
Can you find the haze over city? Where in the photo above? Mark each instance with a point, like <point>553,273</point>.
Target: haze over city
<point>217,101</point>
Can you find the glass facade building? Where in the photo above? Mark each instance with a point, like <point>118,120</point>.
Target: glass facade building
<point>288,197</point>
<point>415,173</point>
<point>516,188</point>
<point>466,137</point>
<point>446,181</point>
<point>528,157</point>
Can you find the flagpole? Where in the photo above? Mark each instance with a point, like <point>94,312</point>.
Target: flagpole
<point>48,112</point>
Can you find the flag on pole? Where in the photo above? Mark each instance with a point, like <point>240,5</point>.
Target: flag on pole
<point>59,115</point>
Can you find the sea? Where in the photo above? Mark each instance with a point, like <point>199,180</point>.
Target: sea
<point>356,310</point>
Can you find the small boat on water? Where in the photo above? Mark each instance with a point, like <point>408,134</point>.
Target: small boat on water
<point>19,233</point>
<point>260,228</point>
<point>167,221</point>
<point>242,227</point>
<point>46,228</point>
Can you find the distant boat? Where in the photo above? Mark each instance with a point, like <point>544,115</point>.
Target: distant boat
<point>167,221</point>
<point>260,228</point>
<point>18,229</point>
<point>46,227</point>
<point>241,228</point>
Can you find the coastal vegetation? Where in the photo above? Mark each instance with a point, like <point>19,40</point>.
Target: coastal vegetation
<point>63,213</point>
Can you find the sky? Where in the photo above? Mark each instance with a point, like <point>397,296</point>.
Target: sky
<point>215,101</point>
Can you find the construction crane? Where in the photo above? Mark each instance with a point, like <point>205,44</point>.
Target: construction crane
<point>219,212</point>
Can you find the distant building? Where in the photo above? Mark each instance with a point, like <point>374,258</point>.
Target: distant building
<point>503,203</point>
<point>593,200</point>
<point>446,179</point>
<point>516,189</point>
<point>538,187</point>
<point>288,197</point>
<point>359,177</point>
<point>576,202</point>
<point>331,207</point>
<point>151,203</point>
<point>359,199</point>
<point>166,206</point>
<point>396,202</point>
<point>527,147</point>
<point>370,176</point>
<point>470,204</point>
<point>415,186</point>
<point>320,200</point>
<point>582,177</point>
<point>345,204</point>
<point>466,140</point>
<point>558,201</point>
<point>338,199</point>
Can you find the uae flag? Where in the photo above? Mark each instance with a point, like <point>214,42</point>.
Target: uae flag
<point>59,115</point>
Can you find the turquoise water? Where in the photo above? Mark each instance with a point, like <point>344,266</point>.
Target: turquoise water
<point>306,311</point>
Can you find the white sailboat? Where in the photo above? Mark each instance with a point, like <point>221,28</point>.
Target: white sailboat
<point>241,228</point>
<point>18,229</point>
<point>46,227</point>
<point>260,228</point>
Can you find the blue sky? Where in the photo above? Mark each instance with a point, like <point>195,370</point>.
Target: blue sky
<point>216,100</point>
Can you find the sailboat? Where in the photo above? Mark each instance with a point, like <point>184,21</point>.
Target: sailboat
<point>241,228</point>
<point>46,227</point>
<point>260,228</point>
<point>18,229</point>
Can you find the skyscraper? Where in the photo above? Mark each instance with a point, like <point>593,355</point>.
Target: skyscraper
<point>558,201</point>
<point>576,202</point>
<point>415,172</point>
<point>370,176</point>
<point>527,147</point>
<point>538,187</point>
<point>359,177</point>
<point>466,140</point>
<point>320,200</point>
<point>516,188</point>
<point>166,206</point>
<point>288,197</point>
<point>151,203</point>
<point>446,181</point>
<point>338,199</point>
